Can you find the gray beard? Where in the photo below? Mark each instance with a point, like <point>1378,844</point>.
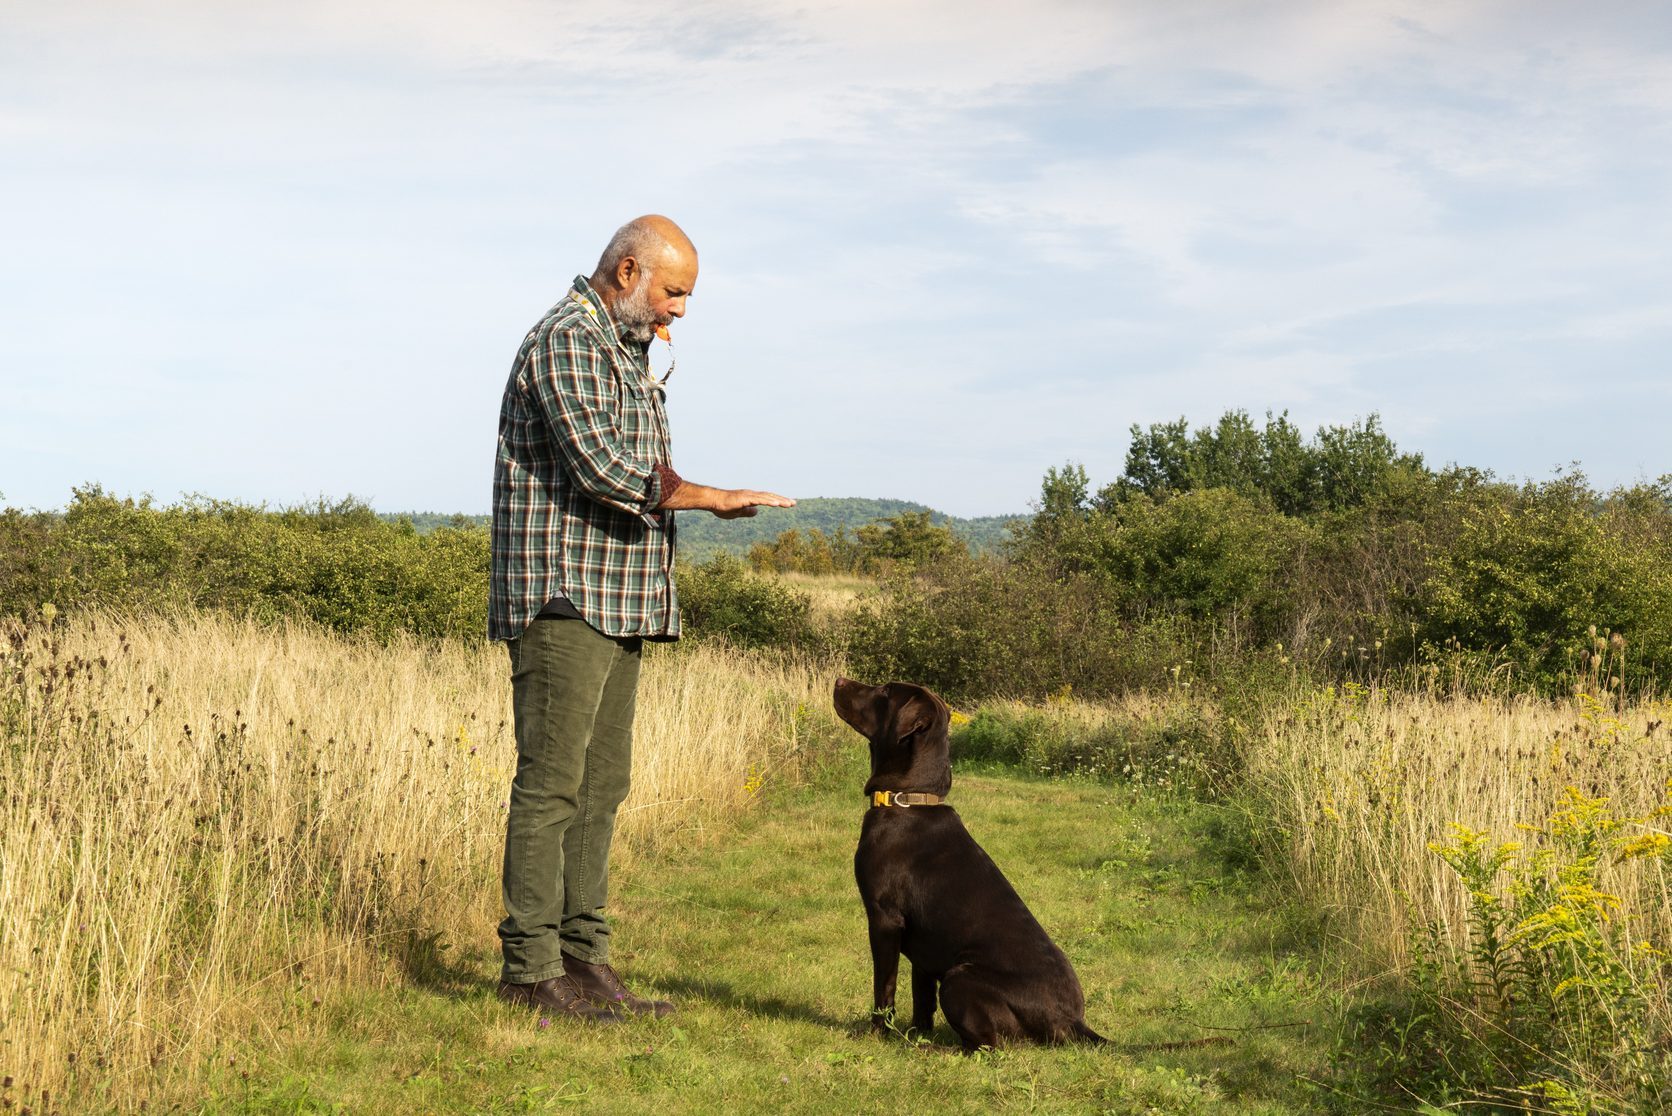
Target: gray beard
<point>633,315</point>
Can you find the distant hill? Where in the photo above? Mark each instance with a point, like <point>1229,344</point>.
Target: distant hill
<point>701,534</point>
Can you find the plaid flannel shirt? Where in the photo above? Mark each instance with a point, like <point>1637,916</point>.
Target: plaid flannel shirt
<point>581,471</point>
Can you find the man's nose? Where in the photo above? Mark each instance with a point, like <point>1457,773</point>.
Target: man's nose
<point>677,307</point>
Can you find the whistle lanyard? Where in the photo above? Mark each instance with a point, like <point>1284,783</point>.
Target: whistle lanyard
<point>661,331</point>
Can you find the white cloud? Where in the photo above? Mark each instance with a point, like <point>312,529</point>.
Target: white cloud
<point>1037,223</point>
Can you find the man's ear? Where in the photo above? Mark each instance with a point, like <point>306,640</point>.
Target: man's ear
<point>627,273</point>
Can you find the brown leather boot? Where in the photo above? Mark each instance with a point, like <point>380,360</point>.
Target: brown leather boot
<point>601,985</point>
<point>558,996</point>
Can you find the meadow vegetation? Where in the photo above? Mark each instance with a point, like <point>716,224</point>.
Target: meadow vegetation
<point>1341,554</point>
<point>1507,860</point>
<point>209,825</point>
<point>252,756</point>
<point>337,564</point>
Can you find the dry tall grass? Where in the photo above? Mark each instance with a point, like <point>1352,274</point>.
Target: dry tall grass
<point>830,596</point>
<point>205,824</point>
<point>1362,782</point>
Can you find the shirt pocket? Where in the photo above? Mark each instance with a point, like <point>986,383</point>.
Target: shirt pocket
<point>638,422</point>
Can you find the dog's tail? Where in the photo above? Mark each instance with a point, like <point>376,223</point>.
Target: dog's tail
<point>1083,1033</point>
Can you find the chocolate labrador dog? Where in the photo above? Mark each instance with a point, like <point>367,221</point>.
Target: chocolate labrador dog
<point>931,893</point>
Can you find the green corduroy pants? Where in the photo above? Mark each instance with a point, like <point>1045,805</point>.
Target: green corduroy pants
<point>573,695</point>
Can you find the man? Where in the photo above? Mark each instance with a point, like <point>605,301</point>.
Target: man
<point>583,544</point>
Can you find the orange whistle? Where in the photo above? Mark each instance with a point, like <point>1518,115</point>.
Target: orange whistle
<point>662,332</point>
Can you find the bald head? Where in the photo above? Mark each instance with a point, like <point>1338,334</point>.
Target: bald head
<point>650,240</point>
<point>646,272</point>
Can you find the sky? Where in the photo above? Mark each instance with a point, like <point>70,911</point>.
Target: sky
<point>273,252</point>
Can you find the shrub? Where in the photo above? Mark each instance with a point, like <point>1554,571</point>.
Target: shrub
<point>1174,746</point>
<point>978,627</point>
<point>812,553</point>
<point>905,541</point>
<point>1531,572</point>
<point>1392,570</point>
<point>1207,554</point>
<point>720,598</point>
<point>900,542</point>
<point>338,564</point>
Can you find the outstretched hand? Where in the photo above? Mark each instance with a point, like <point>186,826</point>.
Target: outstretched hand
<point>727,503</point>
<point>740,503</point>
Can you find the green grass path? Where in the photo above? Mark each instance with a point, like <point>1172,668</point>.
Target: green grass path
<point>761,937</point>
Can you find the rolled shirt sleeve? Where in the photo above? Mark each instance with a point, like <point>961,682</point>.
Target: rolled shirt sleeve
<point>664,483</point>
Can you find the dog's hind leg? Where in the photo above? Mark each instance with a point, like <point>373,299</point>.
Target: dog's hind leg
<point>977,1011</point>
<point>922,1001</point>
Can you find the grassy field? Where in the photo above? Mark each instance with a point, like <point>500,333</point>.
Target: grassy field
<point>1491,872</point>
<point>1502,869</point>
<point>830,595</point>
<point>249,868</point>
<point>208,825</point>
<point>1366,783</point>
<point>761,937</point>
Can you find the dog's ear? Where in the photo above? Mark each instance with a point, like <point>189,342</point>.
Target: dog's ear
<point>914,715</point>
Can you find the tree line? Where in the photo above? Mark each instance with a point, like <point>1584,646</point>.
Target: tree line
<point>1219,554</point>
<point>1241,546</point>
